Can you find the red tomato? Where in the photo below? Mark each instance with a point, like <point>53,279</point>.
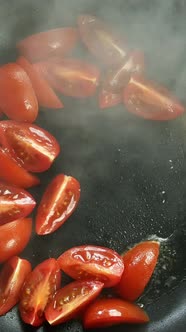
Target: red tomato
<point>15,203</point>
<point>45,94</point>
<point>108,312</point>
<point>92,262</point>
<point>139,264</point>
<point>101,41</point>
<point>14,174</point>
<point>109,99</point>
<point>52,42</point>
<point>71,299</point>
<point>17,97</point>
<point>58,203</point>
<point>146,100</point>
<point>38,290</point>
<point>32,147</point>
<point>12,277</point>
<point>14,237</point>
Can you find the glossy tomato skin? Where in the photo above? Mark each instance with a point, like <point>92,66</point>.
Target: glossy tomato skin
<point>52,42</point>
<point>38,290</point>
<point>149,101</point>
<point>12,277</point>
<point>57,204</point>
<point>15,203</point>
<point>140,262</point>
<point>14,174</point>
<point>71,299</point>
<point>14,237</point>
<point>101,41</point>
<point>17,97</point>
<point>109,99</point>
<point>92,262</point>
<point>45,94</point>
<point>32,147</point>
<point>109,312</point>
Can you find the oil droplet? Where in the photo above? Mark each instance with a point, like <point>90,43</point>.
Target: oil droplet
<point>171,164</point>
<point>163,196</point>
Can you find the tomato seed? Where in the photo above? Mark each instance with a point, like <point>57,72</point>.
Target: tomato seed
<point>27,291</point>
<point>66,299</point>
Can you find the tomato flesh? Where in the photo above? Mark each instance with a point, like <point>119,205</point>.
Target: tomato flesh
<point>58,203</point>
<point>38,291</point>
<point>92,262</point>
<point>109,99</point>
<point>12,277</point>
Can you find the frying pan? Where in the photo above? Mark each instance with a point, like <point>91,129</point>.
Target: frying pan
<point>132,172</point>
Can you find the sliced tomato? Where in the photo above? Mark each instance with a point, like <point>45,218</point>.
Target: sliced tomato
<point>17,97</point>
<point>71,300</point>
<point>14,237</point>
<point>109,99</point>
<point>32,147</point>
<point>15,203</point>
<point>149,101</point>
<point>12,277</point>
<point>52,42</point>
<point>38,290</point>
<point>140,263</point>
<point>108,312</point>
<point>45,94</point>
<point>58,203</point>
<point>14,174</point>
<point>92,262</point>
<point>101,41</point>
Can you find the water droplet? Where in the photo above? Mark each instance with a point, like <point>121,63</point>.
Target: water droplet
<point>163,196</point>
<point>171,164</point>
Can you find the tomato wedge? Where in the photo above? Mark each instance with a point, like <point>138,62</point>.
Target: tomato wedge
<point>149,101</point>
<point>32,147</point>
<point>38,290</point>
<point>109,99</point>
<point>108,312</point>
<point>15,203</point>
<point>58,203</point>
<point>14,174</point>
<point>52,42</point>
<point>14,237</point>
<point>12,277</point>
<point>92,262</point>
<point>101,41</point>
<point>71,299</point>
<point>45,94</point>
<point>140,263</point>
<point>17,97</point>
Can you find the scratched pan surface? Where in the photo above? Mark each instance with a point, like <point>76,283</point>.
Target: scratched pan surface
<point>132,172</point>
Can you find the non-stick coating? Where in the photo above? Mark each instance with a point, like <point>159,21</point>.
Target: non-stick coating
<point>132,172</point>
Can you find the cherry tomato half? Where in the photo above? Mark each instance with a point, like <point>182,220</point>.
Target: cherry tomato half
<point>32,147</point>
<point>52,42</point>
<point>71,299</point>
<point>12,277</point>
<point>15,203</point>
<point>58,203</point>
<point>17,97</point>
<point>146,100</point>
<point>14,237</point>
<point>109,99</point>
<point>92,262</point>
<point>108,312</point>
<point>38,290</point>
<point>140,263</point>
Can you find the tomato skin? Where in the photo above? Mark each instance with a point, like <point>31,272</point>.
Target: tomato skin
<point>108,312</point>
<point>45,94</point>
<point>149,101</point>
<point>15,203</point>
<point>17,97</point>
<point>12,277</point>
<point>92,262</point>
<point>34,148</point>
<point>14,237</point>
<point>57,204</point>
<point>52,42</point>
<point>109,99</point>
<point>14,174</point>
<point>140,262</point>
<point>74,297</point>
<point>38,290</point>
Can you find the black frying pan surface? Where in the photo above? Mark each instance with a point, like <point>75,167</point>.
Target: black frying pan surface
<point>132,172</point>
